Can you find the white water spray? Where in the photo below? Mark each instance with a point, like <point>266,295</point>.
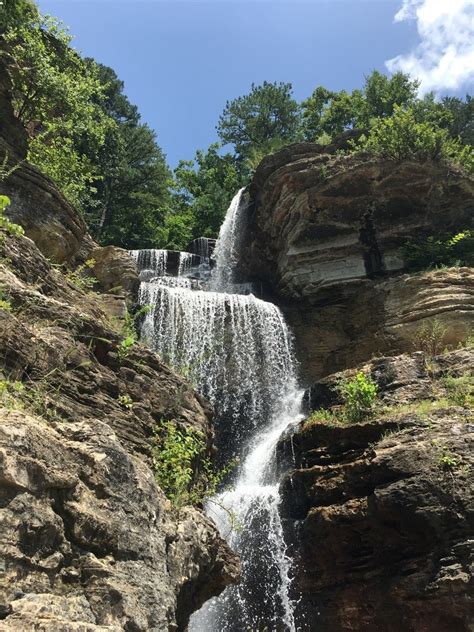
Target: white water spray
<point>238,352</point>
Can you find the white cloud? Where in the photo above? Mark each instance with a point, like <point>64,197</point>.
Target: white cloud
<point>444,58</point>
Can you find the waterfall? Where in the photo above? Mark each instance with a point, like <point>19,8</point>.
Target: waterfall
<point>237,351</point>
<point>150,262</point>
<point>226,253</point>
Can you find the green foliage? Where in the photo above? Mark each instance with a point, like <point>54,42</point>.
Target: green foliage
<point>34,397</point>
<point>324,416</point>
<point>430,338</point>
<point>203,189</point>
<point>267,113</point>
<point>81,276</point>
<point>5,302</point>
<point>125,401</point>
<point>447,460</point>
<point>440,251</point>
<point>330,113</point>
<point>359,395</point>
<point>402,137</point>
<point>13,12</point>
<point>54,93</point>
<point>460,390</point>
<point>8,227</point>
<point>11,393</point>
<point>182,469</point>
<point>85,134</point>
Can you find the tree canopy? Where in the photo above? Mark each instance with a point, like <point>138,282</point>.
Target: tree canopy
<point>253,121</point>
<point>86,135</point>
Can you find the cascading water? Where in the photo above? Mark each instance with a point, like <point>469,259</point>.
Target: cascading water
<point>150,262</point>
<point>237,349</point>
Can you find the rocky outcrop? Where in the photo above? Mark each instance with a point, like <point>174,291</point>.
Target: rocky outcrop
<point>115,271</point>
<point>380,515</point>
<point>325,234</point>
<point>356,321</point>
<point>88,541</point>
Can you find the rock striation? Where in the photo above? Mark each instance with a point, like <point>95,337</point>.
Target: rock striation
<point>325,234</point>
<point>380,514</point>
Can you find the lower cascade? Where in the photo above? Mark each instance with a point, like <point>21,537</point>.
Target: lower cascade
<point>237,351</point>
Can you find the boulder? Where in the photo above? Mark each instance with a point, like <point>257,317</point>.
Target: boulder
<point>115,271</point>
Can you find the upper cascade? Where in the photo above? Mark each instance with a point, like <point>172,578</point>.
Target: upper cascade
<point>237,351</point>
<point>226,253</point>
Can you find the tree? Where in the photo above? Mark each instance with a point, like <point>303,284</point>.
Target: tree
<point>252,121</point>
<point>86,135</point>
<point>327,114</point>
<point>132,196</point>
<point>405,136</point>
<point>203,189</point>
<point>382,94</point>
<point>54,95</point>
<point>135,195</point>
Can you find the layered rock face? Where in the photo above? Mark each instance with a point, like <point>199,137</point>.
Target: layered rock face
<point>380,515</point>
<point>88,541</point>
<point>325,233</point>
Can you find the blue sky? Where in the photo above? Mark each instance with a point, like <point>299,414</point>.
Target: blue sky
<point>181,60</point>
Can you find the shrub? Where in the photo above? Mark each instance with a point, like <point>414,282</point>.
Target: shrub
<point>430,338</point>
<point>182,469</point>
<point>460,390</point>
<point>359,396</point>
<point>448,250</point>
<point>401,137</point>
<point>81,277</point>
<point>405,136</point>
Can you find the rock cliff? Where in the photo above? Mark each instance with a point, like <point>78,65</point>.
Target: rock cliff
<point>325,233</point>
<point>380,514</point>
<point>88,541</point>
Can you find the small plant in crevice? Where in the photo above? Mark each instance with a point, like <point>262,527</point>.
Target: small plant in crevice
<point>430,338</point>
<point>5,301</point>
<point>125,401</point>
<point>81,277</point>
<point>34,397</point>
<point>359,395</point>
<point>129,331</point>
<point>182,469</point>
<point>7,226</point>
<point>446,459</point>
<point>11,394</point>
